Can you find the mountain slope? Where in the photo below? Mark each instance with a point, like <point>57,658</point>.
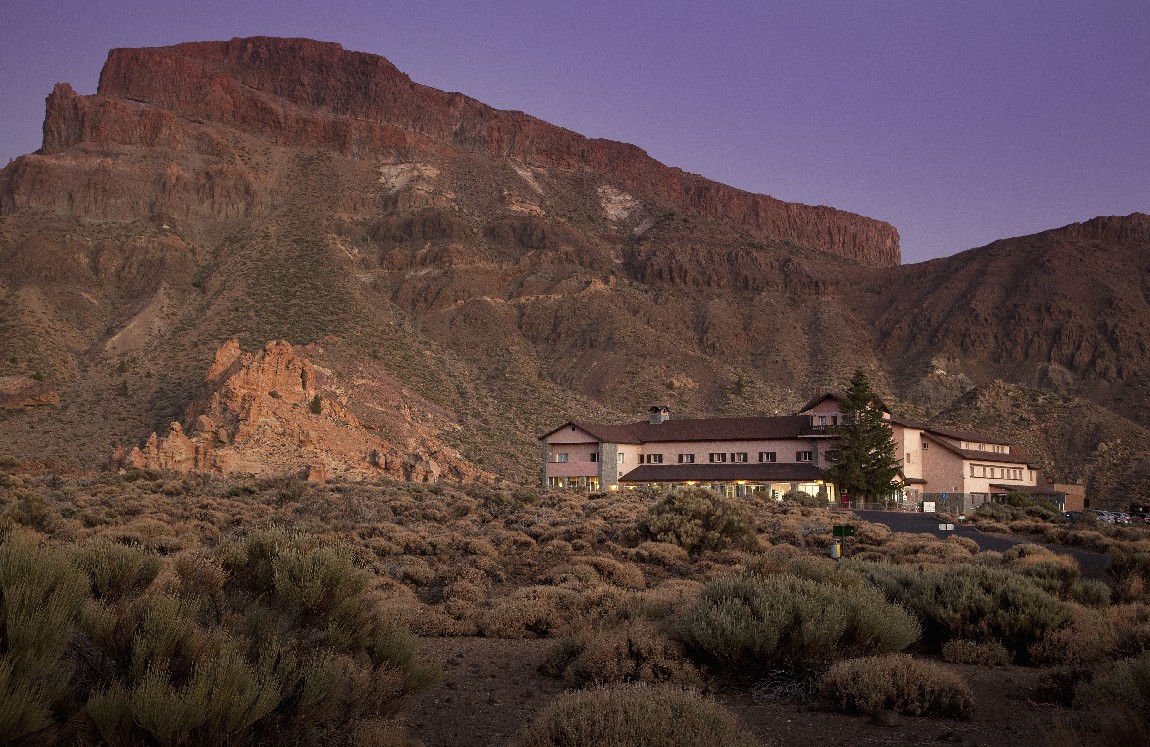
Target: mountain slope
<point>509,272</point>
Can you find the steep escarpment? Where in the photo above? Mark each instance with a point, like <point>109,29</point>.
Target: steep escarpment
<point>302,93</point>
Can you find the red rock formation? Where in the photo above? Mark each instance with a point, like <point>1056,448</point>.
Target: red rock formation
<point>266,414</point>
<point>299,92</point>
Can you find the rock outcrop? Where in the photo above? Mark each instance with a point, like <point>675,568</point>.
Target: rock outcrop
<point>267,413</point>
<point>26,391</point>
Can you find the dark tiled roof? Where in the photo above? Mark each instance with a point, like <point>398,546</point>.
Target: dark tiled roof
<point>700,429</point>
<point>981,438</point>
<point>724,473</point>
<point>837,397</point>
<point>981,456</point>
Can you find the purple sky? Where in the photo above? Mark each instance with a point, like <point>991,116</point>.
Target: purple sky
<point>959,121</point>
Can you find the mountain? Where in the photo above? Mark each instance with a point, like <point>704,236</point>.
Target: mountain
<point>503,272</point>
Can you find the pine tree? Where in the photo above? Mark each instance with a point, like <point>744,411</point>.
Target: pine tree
<point>864,466</point>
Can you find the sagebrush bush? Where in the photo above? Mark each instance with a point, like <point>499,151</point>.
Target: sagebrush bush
<point>1096,635</point>
<point>897,683</point>
<point>1130,570</point>
<point>530,612</point>
<point>637,651</point>
<point>278,637</point>
<point>973,602</point>
<point>699,520</point>
<point>985,653</point>
<point>749,624</point>
<point>635,717</point>
<point>41,595</point>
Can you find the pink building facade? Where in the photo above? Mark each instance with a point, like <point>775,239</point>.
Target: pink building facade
<point>774,455</point>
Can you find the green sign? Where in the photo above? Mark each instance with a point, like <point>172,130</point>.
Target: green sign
<point>843,530</point>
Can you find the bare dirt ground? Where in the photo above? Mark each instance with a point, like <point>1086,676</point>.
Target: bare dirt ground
<point>491,688</point>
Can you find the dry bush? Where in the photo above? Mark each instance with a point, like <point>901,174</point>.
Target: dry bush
<point>984,653</point>
<point>749,624</point>
<point>618,573</point>
<point>699,520</point>
<point>897,683</point>
<point>973,601</point>
<point>993,527</point>
<point>530,612</point>
<point>1096,635</point>
<point>635,716</point>
<point>1130,570</point>
<point>666,554</point>
<point>1055,573</point>
<point>637,651</point>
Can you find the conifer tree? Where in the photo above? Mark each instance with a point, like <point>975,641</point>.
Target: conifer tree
<point>864,466</point>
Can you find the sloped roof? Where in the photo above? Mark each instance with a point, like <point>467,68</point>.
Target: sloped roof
<point>1016,457</point>
<point>751,471</point>
<point>837,397</point>
<point>699,429</point>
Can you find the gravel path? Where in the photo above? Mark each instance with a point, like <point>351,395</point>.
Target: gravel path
<point>1093,564</point>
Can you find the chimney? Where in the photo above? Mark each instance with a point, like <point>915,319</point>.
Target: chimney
<point>658,414</point>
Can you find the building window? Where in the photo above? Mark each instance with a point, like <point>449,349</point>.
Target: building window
<point>561,457</point>
<point>834,419</point>
<point>738,456</point>
<point>621,457</point>
<point>594,456</point>
<point>925,446</point>
<point>720,456</point>
<point>822,421</point>
<point>767,456</point>
<point>908,457</point>
<point>686,459</point>
<point>554,482</point>
<point>654,459</point>
<point>804,456</point>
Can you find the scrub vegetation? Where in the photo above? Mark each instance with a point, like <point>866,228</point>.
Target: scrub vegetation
<point>147,608</point>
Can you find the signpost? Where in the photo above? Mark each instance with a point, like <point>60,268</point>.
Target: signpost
<point>843,531</point>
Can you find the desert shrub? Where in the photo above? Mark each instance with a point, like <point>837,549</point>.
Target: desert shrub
<point>985,653</point>
<point>41,595</point>
<point>805,499</point>
<point>1096,635</point>
<point>1057,574</point>
<point>637,651</point>
<point>117,571</point>
<point>698,520</point>
<point>1118,699</point>
<point>635,716</point>
<point>897,683</point>
<point>750,624</point>
<point>974,602</point>
<point>665,554</point>
<point>530,612</point>
<point>1130,570</point>
<point>1091,593</point>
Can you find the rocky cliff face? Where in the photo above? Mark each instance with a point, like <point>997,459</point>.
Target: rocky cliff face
<point>301,93</point>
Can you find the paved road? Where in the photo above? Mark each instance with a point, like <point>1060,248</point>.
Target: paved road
<point>1093,564</point>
